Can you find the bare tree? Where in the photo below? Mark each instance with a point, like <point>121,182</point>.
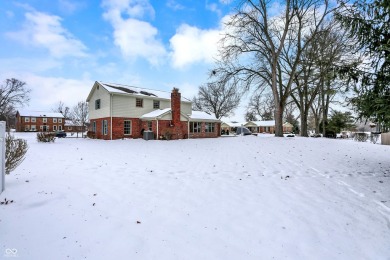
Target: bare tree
<point>252,47</point>
<point>315,76</point>
<point>13,94</point>
<point>263,105</point>
<point>61,108</point>
<point>250,115</point>
<point>80,115</point>
<point>218,98</point>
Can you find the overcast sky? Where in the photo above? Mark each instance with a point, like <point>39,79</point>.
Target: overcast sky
<point>60,47</point>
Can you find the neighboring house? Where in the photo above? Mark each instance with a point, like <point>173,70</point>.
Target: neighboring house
<point>71,126</point>
<point>120,111</point>
<point>230,126</point>
<point>41,121</point>
<point>267,126</point>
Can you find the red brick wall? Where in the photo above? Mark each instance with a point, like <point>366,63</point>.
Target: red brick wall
<point>21,124</point>
<point>164,127</point>
<point>203,134</point>
<point>175,106</point>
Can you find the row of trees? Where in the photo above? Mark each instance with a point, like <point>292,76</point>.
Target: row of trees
<point>305,57</point>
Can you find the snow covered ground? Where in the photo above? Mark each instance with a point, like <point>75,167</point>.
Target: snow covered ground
<point>227,198</point>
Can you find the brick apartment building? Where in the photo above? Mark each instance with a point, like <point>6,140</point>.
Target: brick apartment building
<point>39,121</point>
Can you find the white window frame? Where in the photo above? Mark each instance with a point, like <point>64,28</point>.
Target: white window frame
<point>33,119</point>
<point>130,127</point>
<point>33,128</point>
<point>209,127</point>
<point>54,128</point>
<point>27,120</point>
<point>44,120</point>
<point>104,127</point>
<point>26,128</point>
<point>195,127</point>
<point>54,120</point>
<point>60,127</point>
<point>139,101</point>
<point>156,104</point>
<point>59,120</point>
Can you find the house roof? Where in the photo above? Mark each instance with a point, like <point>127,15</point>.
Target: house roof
<point>233,124</point>
<point>199,115</point>
<point>134,91</point>
<point>40,114</point>
<point>156,113</point>
<point>195,115</point>
<point>262,123</point>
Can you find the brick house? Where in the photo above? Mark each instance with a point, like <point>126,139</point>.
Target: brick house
<point>33,121</point>
<point>119,111</point>
<point>267,126</point>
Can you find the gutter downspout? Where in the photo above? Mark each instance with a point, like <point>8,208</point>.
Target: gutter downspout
<point>157,129</point>
<point>188,129</point>
<point>111,116</point>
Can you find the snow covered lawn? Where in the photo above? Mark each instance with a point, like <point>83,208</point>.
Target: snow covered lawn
<point>227,198</point>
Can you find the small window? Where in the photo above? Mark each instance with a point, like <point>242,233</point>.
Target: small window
<point>150,125</point>
<point>209,127</point>
<point>33,128</point>
<point>127,127</point>
<point>156,104</point>
<point>33,120</point>
<point>60,127</point>
<point>44,120</point>
<point>69,128</point>
<point>54,128</point>
<point>195,127</point>
<point>59,120</point>
<point>26,128</point>
<point>104,127</point>
<point>54,120</point>
<point>94,126</point>
<point>26,119</point>
<point>139,102</point>
<point>97,104</point>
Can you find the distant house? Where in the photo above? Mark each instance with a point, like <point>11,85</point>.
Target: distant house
<point>42,121</point>
<point>120,111</point>
<point>230,126</point>
<point>71,126</point>
<point>267,126</point>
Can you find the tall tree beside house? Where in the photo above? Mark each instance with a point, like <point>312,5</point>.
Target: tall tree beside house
<point>256,44</point>
<point>368,22</point>
<point>80,114</point>
<point>219,98</point>
<point>61,108</point>
<point>13,94</point>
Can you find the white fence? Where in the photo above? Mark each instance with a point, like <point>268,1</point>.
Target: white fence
<point>2,156</point>
<point>385,138</point>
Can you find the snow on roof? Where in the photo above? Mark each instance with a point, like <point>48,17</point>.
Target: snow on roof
<point>202,115</point>
<point>40,114</point>
<point>264,123</point>
<point>156,113</point>
<point>234,124</point>
<point>125,89</point>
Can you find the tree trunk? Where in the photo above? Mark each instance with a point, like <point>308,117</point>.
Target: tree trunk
<point>279,120</point>
<point>304,123</point>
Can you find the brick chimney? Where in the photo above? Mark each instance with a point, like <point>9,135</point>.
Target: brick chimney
<point>175,106</point>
